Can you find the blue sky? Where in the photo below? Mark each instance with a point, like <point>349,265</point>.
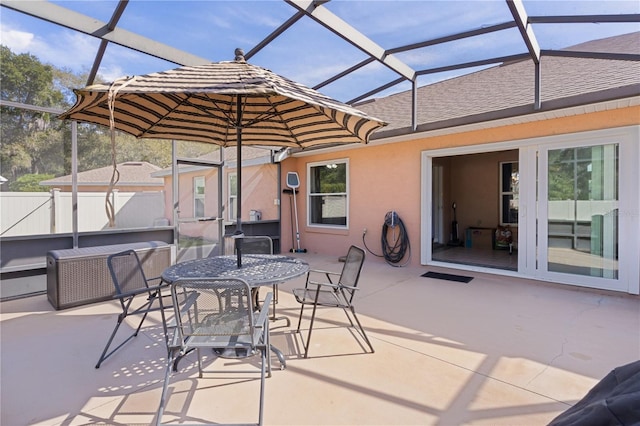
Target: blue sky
<point>307,52</point>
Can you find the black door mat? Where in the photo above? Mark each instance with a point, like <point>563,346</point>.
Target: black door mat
<point>447,277</point>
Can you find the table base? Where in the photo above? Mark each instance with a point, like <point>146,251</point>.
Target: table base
<point>242,353</point>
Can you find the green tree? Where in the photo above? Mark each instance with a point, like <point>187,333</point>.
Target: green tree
<point>26,135</point>
<point>561,174</point>
<point>35,142</point>
<point>30,183</point>
<point>333,178</point>
<point>65,80</point>
<point>27,80</point>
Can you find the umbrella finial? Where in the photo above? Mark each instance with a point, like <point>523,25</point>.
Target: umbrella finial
<point>239,55</point>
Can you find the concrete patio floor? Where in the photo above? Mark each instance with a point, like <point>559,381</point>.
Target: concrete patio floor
<point>495,351</point>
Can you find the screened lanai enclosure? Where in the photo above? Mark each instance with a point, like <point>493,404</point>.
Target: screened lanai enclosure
<point>429,69</point>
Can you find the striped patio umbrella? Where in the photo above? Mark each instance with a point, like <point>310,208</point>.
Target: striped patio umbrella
<point>225,103</point>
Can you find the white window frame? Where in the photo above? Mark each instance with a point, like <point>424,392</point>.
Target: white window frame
<point>199,182</point>
<point>310,166</point>
<point>590,139</point>
<point>502,193</point>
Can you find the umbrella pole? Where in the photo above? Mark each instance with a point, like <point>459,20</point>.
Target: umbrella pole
<point>238,233</point>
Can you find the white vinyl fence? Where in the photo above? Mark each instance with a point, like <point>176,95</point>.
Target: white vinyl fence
<point>36,213</point>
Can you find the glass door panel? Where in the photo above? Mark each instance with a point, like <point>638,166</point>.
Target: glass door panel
<point>582,211</point>
<point>197,211</point>
<point>197,199</point>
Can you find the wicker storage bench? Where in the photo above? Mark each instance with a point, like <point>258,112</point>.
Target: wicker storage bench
<point>80,276</point>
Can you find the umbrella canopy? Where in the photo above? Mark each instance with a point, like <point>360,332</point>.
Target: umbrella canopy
<point>225,103</point>
<point>200,103</point>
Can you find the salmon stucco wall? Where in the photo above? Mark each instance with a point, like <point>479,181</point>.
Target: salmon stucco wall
<point>381,179</point>
<point>384,177</point>
<point>259,191</point>
<point>207,230</point>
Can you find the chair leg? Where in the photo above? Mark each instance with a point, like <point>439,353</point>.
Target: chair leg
<point>144,317</point>
<point>308,342</point>
<point>348,317</point>
<point>364,335</point>
<point>104,354</point>
<point>165,329</point>
<point>163,317</point>
<point>356,324</point>
<point>199,363</point>
<point>300,317</point>
<point>120,320</point>
<point>167,377</point>
<point>267,341</point>
<point>147,306</point>
<point>265,357</point>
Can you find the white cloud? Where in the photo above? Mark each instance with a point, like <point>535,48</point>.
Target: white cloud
<point>17,41</point>
<point>65,49</point>
<point>111,72</point>
<point>70,50</point>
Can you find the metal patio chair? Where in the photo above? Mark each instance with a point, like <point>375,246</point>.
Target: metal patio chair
<point>327,293</point>
<point>131,284</point>
<point>218,314</point>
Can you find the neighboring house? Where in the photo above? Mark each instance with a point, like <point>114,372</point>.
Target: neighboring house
<point>135,176</point>
<point>137,199</point>
<point>197,197</point>
<point>564,178</point>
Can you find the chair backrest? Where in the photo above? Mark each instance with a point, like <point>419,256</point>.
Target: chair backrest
<point>210,308</point>
<point>351,270</point>
<point>258,244</point>
<point>126,271</point>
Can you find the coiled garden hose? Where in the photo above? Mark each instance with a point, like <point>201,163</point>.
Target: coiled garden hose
<point>394,240</point>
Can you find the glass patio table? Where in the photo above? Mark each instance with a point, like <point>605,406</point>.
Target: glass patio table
<point>257,270</point>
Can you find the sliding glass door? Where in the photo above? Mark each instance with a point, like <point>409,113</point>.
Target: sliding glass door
<point>575,199</point>
<point>578,205</point>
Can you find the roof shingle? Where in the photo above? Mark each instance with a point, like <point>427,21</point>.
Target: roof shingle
<point>131,173</point>
<point>511,87</point>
